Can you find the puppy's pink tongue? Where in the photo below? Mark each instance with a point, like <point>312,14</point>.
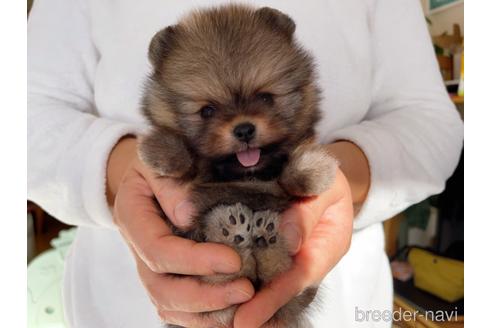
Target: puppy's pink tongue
<point>249,157</point>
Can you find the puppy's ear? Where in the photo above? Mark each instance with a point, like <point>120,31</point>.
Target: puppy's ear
<point>277,20</point>
<point>161,45</point>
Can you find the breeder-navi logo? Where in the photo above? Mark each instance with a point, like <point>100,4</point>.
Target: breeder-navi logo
<point>404,315</point>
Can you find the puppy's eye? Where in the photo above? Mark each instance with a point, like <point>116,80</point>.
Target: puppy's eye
<point>207,111</point>
<point>265,97</point>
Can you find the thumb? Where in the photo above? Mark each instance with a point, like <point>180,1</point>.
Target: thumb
<point>296,226</point>
<point>172,196</point>
<point>299,221</point>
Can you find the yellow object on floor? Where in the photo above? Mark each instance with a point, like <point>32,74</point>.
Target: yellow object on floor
<point>440,276</point>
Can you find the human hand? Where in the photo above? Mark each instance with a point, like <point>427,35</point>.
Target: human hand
<point>318,231</point>
<point>158,253</point>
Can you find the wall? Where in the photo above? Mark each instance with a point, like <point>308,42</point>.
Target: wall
<point>443,21</point>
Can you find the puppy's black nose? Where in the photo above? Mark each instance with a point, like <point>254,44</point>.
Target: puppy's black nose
<point>245,132</point>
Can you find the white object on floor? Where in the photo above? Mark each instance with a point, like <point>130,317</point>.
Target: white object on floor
<point>44,283</point>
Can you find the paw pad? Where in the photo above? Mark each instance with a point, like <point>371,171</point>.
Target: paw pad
<point>265,230</point>
<point>237,226</point>
<point>260,242</point>
<point>229,225</point>
<point>238,239</point>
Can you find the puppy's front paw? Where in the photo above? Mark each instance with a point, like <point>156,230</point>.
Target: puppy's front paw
<point>265,224</point>
<point>230,225</point>
<point>269,247</point>
<point>165,153</point>
<point>310,171</point>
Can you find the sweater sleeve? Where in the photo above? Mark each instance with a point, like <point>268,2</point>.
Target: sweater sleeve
<point>412,134</point>
<point>68,144</point>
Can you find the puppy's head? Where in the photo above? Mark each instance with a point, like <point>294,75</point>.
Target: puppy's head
<point>235,84</point>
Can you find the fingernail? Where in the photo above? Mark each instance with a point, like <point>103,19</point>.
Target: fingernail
<point>225,267</point>
<point>236,296</point>
<point>292,236</point>
<point>183,213</point>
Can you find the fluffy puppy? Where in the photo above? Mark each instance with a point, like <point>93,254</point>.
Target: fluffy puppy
<point>232,101</point>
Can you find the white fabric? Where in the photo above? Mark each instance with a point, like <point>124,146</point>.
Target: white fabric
<point>382,90</point>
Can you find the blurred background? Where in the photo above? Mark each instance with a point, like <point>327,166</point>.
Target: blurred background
<point>425,243</point>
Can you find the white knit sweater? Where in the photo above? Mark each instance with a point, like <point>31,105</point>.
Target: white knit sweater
<point>381,90</point>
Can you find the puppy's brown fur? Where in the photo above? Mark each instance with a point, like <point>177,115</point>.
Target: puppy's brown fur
<point>213,71</point>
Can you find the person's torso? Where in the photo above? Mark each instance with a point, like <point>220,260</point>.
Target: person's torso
<point>102,288</point>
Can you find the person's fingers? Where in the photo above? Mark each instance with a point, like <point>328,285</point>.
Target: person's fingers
<point>172,254</point>
<point>135,212</point>
<point>172,196</point>
<point>298,221</point>
<point>139,221</point>
<point>187,319</point>
<point>310,266</point>
<point>173,293</point>
<point>189,295</point>
<point>280,291</point>
<point>174,200</point>
<point>332,232</point>
<point>269,299</point>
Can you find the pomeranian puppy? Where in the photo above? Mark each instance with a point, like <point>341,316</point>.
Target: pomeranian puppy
<point>232,101</point>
